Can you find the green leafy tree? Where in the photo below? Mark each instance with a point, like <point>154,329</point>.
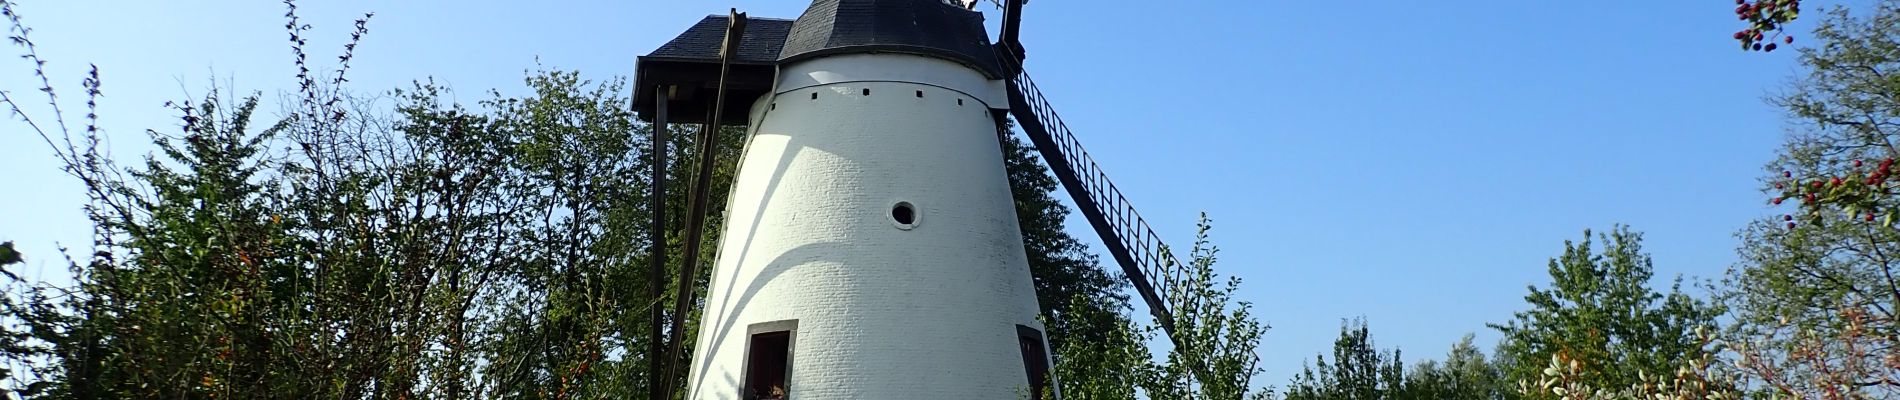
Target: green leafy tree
<point>1700,378</point>
<point>1116,365</point>
<point>1080,300</point>
<point>1600,312</point>
<point>341,252</point>
<point>1464,374</point>
<point>1219,336</point>
<point>1216,356</point>
<point>1358,370</point>
<point>1814,294</point>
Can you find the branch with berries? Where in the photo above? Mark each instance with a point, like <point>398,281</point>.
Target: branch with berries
<point>1765,19</point>
<point>1858,192</point>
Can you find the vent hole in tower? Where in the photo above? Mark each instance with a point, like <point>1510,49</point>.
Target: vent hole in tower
<point>904,214</point>
<point>920,94</point>
<point>959,102</point>
<point>867,91</point>
<point>814,95</point>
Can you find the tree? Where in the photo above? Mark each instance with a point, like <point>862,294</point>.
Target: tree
<point>1465,374</point>
<point>1215,357</point>
<point>1840,160</point>
<point>1359,370</point>
<point>1080,300</point>
<point>344,252</point>
<point>1601,314</point>
<point>1114,366</point>
<point>1814,294</point>
<point>1700,378</point>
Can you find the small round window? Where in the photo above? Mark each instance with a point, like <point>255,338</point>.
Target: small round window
<point>904,215</point>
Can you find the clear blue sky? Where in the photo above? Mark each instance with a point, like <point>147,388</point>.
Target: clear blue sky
<point>1414,163</point>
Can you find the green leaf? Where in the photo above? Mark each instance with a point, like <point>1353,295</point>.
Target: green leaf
<point>8,255</point>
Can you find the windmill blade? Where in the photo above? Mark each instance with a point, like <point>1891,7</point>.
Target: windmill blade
<point>1148,264</point>
<point>1145,261</point>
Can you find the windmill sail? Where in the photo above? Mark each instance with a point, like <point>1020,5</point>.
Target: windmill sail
<point>1145,260</point>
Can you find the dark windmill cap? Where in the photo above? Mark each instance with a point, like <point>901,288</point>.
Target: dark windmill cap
<point>923,27</point>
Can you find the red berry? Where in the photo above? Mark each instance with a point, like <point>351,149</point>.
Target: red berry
<point>1790,225</point>
<point>1771,47</point>
<point>1738,1</point>
<point>1758,47</point>
<point>1836,181</point>
<point>1870,217</point>
<point>1787,218</point>
<point>1758,35</point>
<point>1776,201</point>
<point>1788,39</point>
<point>1777,185</point>
<point>1817,184</point>
<point>1786,174</point>
<point>1856,163</point>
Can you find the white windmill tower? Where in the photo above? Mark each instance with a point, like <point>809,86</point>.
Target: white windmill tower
<point>870,247</point>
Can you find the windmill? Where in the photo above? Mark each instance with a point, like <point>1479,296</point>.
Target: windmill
<point>870,247</point>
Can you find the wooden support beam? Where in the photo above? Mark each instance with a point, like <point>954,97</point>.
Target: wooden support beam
<point>656,267</point>
<point>696,213</point>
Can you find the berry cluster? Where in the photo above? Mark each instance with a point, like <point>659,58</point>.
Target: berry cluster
<point>1765,19</point>
<point>1858,192</point>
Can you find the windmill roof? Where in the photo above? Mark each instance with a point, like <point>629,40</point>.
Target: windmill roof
<point>924,27</point>
<point>688,65</point>
<point>764,37</point>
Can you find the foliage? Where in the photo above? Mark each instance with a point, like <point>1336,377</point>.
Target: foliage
<point>1766,21</point>
<point>1814,310</point>
<point>1844,117</point>
<point>369,258</point>
<point>1465,374</point>
<point>1814,294</point>
<point>1080,300</point>
<point>1213,358</point>
<point>1600,313</point>
<point>1114,366</point>
<point>336,252</point>
<point>1359,370</point>
<point>1700,378</point>
<point>9,255</point>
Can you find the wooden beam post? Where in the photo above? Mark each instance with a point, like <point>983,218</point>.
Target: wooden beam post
<point>696,214</point>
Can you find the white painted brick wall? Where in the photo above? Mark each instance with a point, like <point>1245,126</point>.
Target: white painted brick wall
<point>883,313</point>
